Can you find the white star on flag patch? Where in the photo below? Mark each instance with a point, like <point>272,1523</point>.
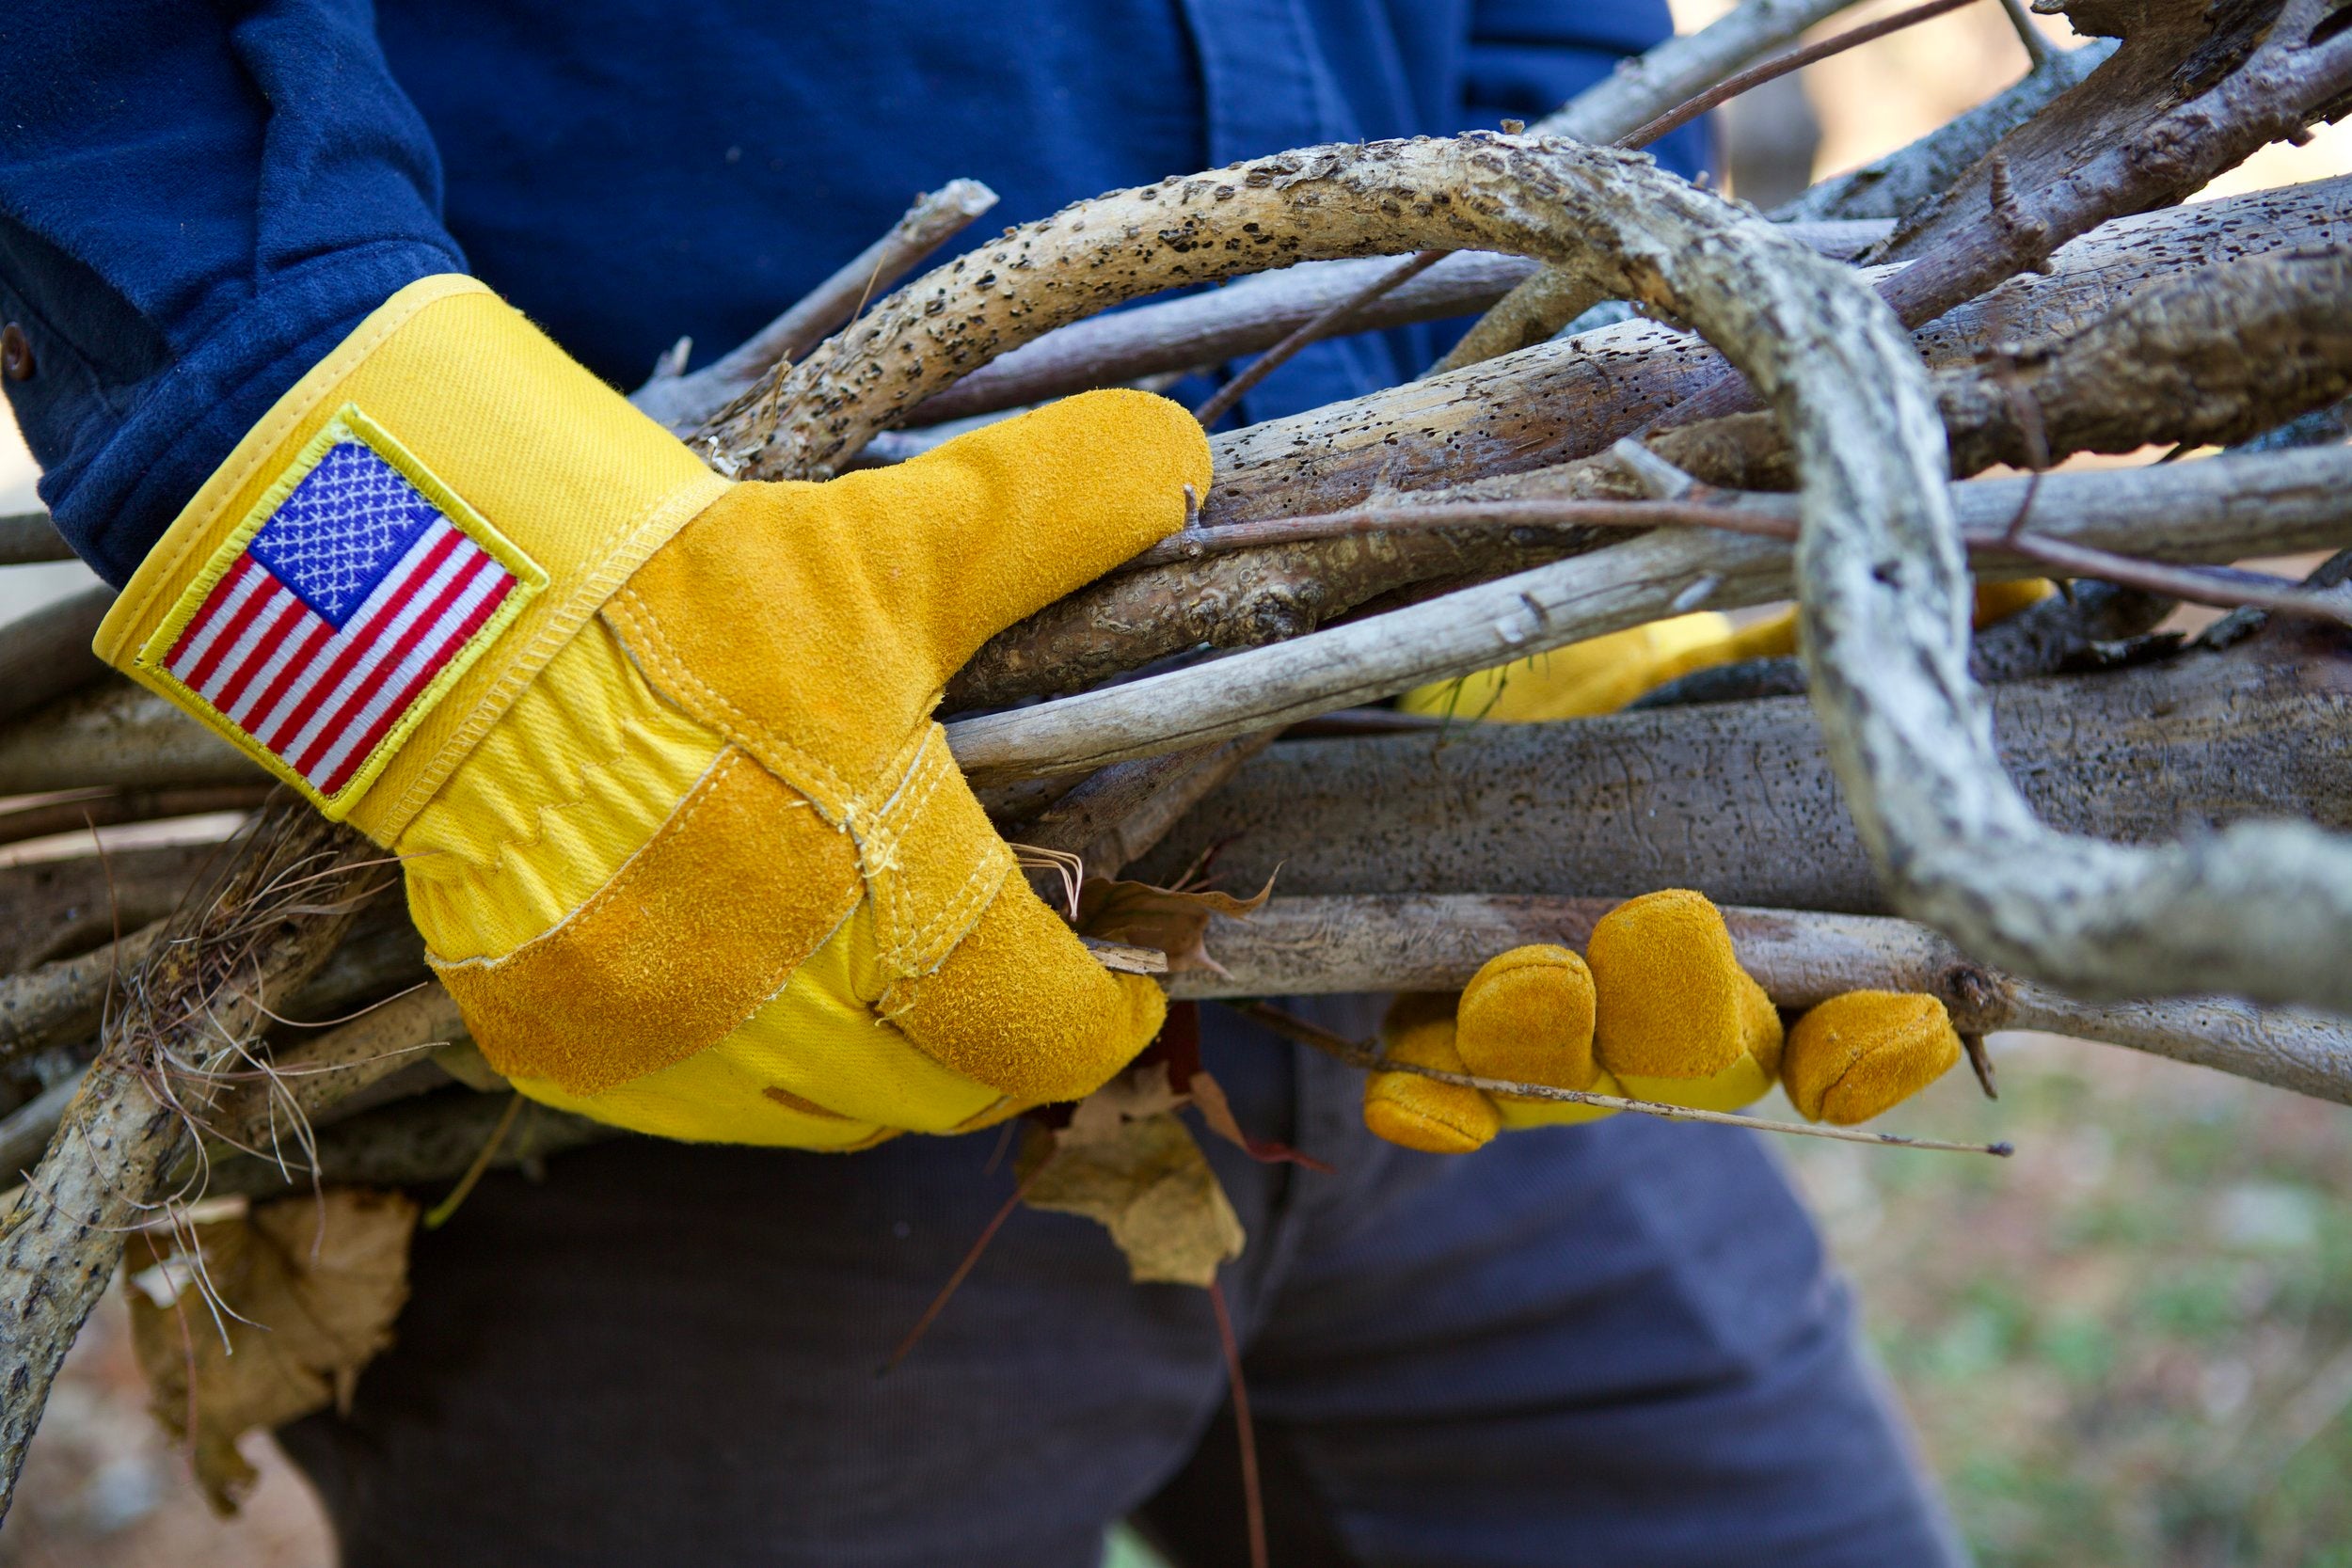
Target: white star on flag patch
<point>329,623</point>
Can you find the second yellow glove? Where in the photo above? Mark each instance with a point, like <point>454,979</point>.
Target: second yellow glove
<point>1658,1010</point>
<point>656,749</point>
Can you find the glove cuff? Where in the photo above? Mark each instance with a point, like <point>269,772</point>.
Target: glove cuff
<point>402,543</point>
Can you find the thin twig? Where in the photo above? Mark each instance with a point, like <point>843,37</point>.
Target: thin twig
<point>1979,1062</point>
<point>1245,1430</point>
<point>1762,517</point>
<point>439,1214</point>
<point>683,401</point>
<point>962,1271</point>
<point>1639,89</point>
<point>1541,306</point>
<point>1781,65</point>
<point>2221,587</point>
<point>1259,532</point>
<point>1331,322</point>
<point>2039,51</point>
<point>2206,510</point>
<point>1324,326</point>
<point>267,926</point>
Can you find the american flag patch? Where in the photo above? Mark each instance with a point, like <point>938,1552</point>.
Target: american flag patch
<point>343,608</point>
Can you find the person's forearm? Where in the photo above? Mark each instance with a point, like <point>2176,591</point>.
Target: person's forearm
<point>185,226</point>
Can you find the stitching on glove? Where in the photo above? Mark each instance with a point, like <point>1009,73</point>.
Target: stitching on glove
<point>961,911</point>
<point>695,798</point>
<point>924,952</point>
<point>917,946</point>
<point>891,825</point>
<point>832,796</point>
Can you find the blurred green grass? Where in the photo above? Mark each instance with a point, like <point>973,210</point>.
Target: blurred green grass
<point>2133,1341</point>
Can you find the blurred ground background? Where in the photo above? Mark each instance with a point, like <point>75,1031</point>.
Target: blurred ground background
<point>2131,1343</point>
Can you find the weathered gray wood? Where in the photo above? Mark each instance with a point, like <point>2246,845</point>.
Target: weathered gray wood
<point>117,734</point>
<point>1738,800</point>
<point>26,537</point>
<point>1565,399</point>
<point>205,990</point>
<point>1258,312</point>
<point>1898,183</point>
<point>46,653</point>
<point>1640,89</point>
<point>682,402</point>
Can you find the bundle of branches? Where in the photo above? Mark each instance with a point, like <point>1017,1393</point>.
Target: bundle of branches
<point>1797,406</point>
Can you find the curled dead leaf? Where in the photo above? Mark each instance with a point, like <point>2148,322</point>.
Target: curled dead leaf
<point>1147,1182</point>
<point>1174,921</point>
<point>310,1289</point>
<point>1217,1114</point>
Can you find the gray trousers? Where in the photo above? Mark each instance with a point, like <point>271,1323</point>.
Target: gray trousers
<point>1614,1344</point>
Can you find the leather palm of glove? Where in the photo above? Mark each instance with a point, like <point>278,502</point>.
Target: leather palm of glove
<point>655,748</point>
<point>1658,1010</point>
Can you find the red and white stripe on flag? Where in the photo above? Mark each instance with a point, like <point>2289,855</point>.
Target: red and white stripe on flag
<point>321,698</point>
<point>349,601</point>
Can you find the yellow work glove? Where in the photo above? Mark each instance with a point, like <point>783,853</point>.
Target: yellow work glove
<point>1659,1008</point>
<point>1602,675</point>
<point>655,748</point>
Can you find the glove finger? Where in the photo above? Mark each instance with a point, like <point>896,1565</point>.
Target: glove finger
<point>1527,1016</point>
<point>1421,1113</point>
<point>1021,1006</point>
<point>1671,999</point>
<point>968,538</point>
<point>1857,1055</point>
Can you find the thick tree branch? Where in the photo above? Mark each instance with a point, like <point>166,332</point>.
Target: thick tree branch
<point>1895,184</point>
<point>1737,800</point>
<point>26,537</point>
<point>432,1138</point>
<point>2213,356</point>
<point>1544,304</point>
<point>116,735</point>
<point>2193,92</point>
<point>46,654</point>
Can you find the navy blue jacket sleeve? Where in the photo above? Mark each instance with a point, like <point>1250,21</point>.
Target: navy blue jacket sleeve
<point>197,201</point>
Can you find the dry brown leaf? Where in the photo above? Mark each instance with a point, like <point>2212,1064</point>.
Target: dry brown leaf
<point>1216,1111</point>
<point>1172,920</point>
<point>1147,1182</point>
<point>317,1284</point>
<point>1143,1090</point>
